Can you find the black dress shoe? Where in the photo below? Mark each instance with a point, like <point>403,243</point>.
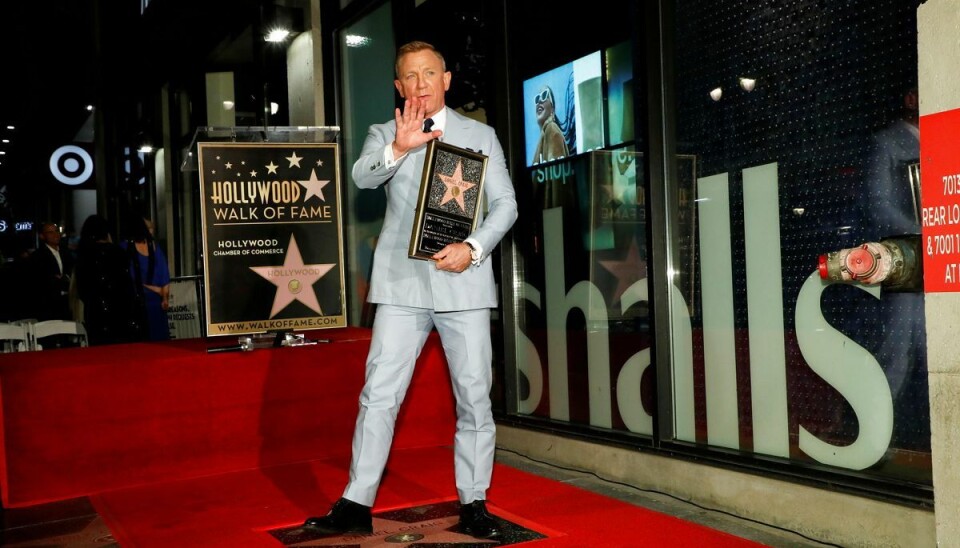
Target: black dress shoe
<point>476,522</point>
<point>346,516</point>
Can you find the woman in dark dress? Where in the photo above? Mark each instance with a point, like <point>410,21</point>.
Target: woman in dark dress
<point>113,312</point>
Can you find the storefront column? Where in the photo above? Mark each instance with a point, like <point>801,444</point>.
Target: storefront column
<point>938,22</point>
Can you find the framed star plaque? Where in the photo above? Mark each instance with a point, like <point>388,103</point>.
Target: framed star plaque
<point>451,191</point>
<point>272,245</point>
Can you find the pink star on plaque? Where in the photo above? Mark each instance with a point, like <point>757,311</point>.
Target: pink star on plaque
<point>294,280</point>
<point>456,186</point>
<point>314,186</point>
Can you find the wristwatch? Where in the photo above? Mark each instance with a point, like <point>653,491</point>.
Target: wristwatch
<point>474,253</point>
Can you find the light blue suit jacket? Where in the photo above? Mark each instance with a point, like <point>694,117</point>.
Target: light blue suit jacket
<point>400,280</point>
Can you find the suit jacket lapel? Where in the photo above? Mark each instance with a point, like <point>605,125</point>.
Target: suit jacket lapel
<point>457,130</point>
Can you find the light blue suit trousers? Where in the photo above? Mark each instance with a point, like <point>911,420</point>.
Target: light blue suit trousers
<point>399,335</point>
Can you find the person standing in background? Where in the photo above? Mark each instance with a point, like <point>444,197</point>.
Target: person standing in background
<point>892,210</point>
<point>151,275</point>
<point>50,271</point>
<point>892,207</point>
<point>113,311</point>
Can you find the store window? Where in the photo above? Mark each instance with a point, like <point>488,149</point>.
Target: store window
<point>795,324</point>
<point>367,51</point>
<point>583,328</point>
<point>802,119</point>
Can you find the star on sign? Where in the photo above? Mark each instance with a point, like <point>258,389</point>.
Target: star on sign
<point>314,186</point>
<point>456,186</point>
<point>271,167</point>
<point>294,280</point>
<point>253,173</point>
<point>319,163</point>
<point>294,160</point>
<point>627,271</point>
<point>229,165</point>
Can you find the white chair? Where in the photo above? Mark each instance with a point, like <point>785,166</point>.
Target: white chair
<point>27,324</point>
<point>59,327</point>
<point>14,338</point>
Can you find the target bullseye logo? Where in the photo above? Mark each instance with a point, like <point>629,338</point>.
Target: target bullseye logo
<point>71,165</point>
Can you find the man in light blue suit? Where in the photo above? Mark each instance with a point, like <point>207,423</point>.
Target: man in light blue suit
<point>454,292</point>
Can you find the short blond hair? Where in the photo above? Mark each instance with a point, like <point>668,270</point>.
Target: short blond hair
<point>413,47</point>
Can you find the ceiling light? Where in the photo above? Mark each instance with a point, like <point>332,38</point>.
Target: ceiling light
<point>5,141</point>
<point>89,108</point>
<point>716,93</point>
<point>144,143</point>
<point>277,35</point>
<point>748,83</point>
<point>274,108</point>
<point>228,105</point>
<point>11,127</point>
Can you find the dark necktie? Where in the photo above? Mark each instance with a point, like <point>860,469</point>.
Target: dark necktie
<point>427,124</point>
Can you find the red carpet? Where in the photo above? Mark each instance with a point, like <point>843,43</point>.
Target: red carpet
<point>240,508</point>
<point>180,448</point>
<point>78,421</point>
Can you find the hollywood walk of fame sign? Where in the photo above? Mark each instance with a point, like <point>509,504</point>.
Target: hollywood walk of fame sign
<point>451,191</point>
<point>272,238</point>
